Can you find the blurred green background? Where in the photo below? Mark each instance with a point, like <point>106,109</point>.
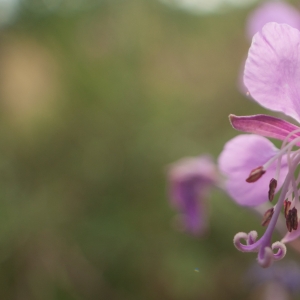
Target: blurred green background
<point>96,101</point>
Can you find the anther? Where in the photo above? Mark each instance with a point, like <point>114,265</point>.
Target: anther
<point>255,174</point>
<point>295,218</point>
<point>292,220</point>
<point>267,217</point>
<point>272,188</point>
<point>287,205</point>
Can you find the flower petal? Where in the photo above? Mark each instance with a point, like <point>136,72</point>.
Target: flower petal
<point>239,157</point>
<point>272,11</point>
<point>291,236</point>
<point>272,70</point>
<point>193,207</point>
<point>264,125</point>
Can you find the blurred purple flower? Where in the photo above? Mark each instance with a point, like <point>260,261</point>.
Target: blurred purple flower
<point>270,11</point>
<point>190,179</point>
<point>272,76</point>
<point>285,276</point>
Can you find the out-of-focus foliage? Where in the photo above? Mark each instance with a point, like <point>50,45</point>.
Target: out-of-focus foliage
<point>205,6</point>
<point>96,101</point>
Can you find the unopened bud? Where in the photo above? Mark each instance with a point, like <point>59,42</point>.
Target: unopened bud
<point>267,217</point>
<point>292,220</point>
<point>272,188</point>
<point>255,174</point>
<point>287,205</point>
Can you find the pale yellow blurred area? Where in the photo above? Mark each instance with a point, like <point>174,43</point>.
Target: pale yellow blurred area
<point>30,80</point>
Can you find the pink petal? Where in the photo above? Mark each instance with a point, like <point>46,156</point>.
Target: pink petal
<point>239,157</point>
<point>272,70</point>
<point>264,125</point>
<point>272,11</point>
<point>291,236</point>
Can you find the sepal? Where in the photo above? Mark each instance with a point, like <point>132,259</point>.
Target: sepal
<point>264,125</point>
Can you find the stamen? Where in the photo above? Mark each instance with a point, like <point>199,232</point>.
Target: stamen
<point>283,150</point>
<point>287,205</point>
<point>286,140</point>
<point>292,220</point>
<point>267,217</point>
<point>289,136</point>
<point>291,161</point>
<point>255,174</point>
<point>290,192</point>
<point>272,188</point>
<point>295,218</point>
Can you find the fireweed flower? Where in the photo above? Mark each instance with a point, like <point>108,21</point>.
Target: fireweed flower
<point>255,169</point>
<point>190,180</point>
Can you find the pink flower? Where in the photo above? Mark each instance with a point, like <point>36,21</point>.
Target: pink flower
<point>190,179</point>
<point>255,169</point>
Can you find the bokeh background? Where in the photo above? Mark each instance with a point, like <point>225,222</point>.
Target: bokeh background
<point>97,98</point>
